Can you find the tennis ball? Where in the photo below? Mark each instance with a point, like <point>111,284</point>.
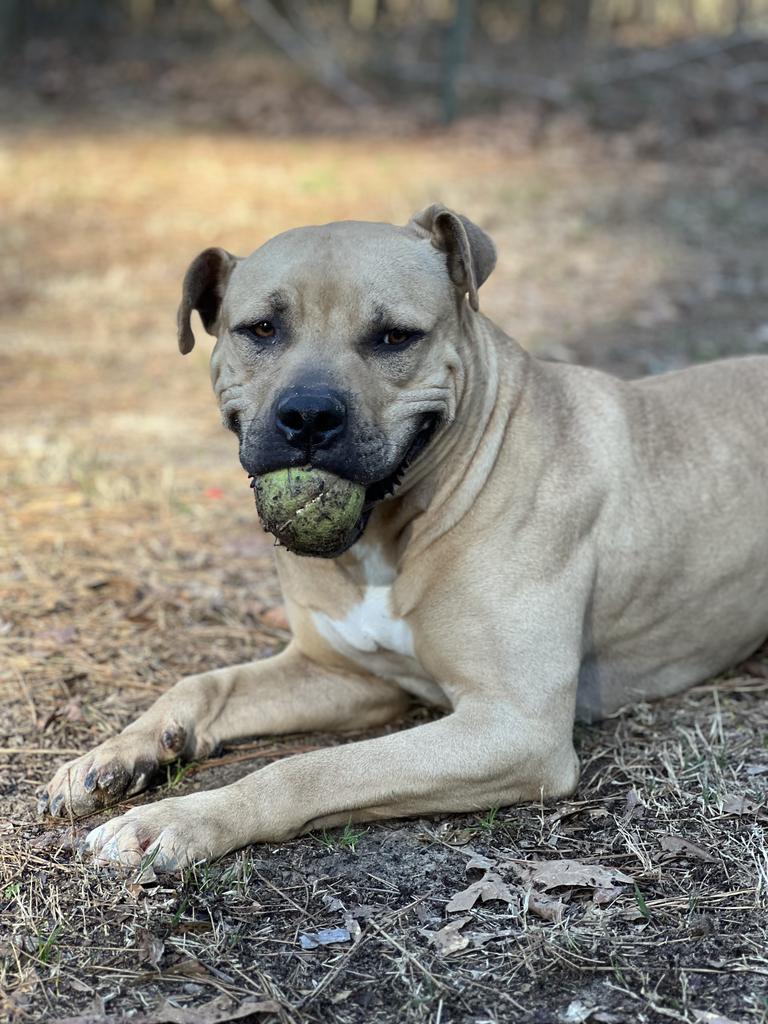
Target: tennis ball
<point>310,511</point>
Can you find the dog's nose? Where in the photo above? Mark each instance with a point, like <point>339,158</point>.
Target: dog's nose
<point>310,419</point>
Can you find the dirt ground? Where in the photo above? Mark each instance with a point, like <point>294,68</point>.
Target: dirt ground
<point>133,556</point>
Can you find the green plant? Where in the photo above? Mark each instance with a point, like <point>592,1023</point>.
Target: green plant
<point>490,820</point>
<point>347,839</point>
<point>45,945</point>
<point>642,906</point>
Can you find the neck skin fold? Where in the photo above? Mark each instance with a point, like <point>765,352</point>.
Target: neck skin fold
<point>442,484</point>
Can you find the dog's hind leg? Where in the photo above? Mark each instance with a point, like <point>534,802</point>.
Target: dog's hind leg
<point>286,693</point>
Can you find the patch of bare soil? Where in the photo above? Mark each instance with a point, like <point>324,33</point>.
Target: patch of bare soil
<point>134,557</point>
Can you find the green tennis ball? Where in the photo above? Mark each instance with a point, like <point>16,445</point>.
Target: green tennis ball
<point>310,511</point>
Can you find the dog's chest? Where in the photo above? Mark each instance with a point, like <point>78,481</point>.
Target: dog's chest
<point>371,634</point>
<point>369,627</point>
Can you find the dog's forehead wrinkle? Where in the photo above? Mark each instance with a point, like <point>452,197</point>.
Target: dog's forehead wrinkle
<point>324,267</point>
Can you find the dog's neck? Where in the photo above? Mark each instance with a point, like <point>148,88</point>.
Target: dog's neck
<point>430,501</point>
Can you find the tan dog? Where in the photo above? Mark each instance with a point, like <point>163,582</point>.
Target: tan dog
<point>560,542</point>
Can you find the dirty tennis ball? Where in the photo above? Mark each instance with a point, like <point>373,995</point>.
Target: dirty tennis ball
<point>310,511</point>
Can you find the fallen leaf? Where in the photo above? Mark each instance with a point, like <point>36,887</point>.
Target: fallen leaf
<point>79,986</point>
<point>448,939</point>
<point>199,973</point>
<point>604,896</point>
<point>548,908</point>
<point>149,947</point>
<point>477,862</point>
<point>577,1012</point>
<point>489,887</point>
<point>219,1011</point>
<point>683,848</point>
<point>733,804</point>
<point>324,937</point>
<point>554,874</point>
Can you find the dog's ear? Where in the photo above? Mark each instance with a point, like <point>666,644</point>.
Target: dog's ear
<point>204,285</point>
<point>470,252</point>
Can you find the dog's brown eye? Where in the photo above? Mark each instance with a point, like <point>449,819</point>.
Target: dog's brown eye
<point>396,337</point>
<point>264,329</point>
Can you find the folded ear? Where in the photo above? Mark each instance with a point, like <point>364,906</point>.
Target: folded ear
<point>470,253</point>
<point>204,285</point>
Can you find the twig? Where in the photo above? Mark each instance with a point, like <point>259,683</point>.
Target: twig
<point>409,956</point>
<point>309,55</point>
<point>655,62</point>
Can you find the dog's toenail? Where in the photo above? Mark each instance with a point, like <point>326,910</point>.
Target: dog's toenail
<point>57,802</point>
<point>89,783</point>
<point>174,737</point>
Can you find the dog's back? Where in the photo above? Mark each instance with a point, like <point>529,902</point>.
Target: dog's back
<point>685,534</point>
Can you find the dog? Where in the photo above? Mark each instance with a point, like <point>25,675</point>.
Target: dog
<point>540,542</point>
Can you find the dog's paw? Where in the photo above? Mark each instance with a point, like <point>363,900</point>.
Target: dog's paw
<point>169,835</point>
<point>119,767</point>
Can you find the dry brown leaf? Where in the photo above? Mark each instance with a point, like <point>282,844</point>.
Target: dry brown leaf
<point>478,862</point>
<point>733,804</point>
<point>604,896</point>
<point>79,986</point>
<point>555,874</point>
<point>683,848</point>
<point>548,908</point>
<point>218,1011</point>
<point>489,887</point>
<point>448,939</point>
<point>149,947</point>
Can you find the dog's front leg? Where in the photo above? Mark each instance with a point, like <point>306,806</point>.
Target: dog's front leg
<point>286,693</point>
<point>480,756</point>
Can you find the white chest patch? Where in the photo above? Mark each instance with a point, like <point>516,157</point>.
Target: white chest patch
<point>377,639</point>
<point>368,627</point>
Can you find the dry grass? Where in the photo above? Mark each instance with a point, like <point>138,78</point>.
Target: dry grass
<point>135,558</point>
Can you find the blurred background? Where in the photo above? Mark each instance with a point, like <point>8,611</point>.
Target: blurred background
<point>615,149</point>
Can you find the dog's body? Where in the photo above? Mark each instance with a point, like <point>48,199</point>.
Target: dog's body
<point>565,543</point>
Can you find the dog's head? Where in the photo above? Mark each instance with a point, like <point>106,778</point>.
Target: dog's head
<point>338,346</point>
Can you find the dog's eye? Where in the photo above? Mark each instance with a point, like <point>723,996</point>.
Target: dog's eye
<point>264,329</point>
<point>397,337</point>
